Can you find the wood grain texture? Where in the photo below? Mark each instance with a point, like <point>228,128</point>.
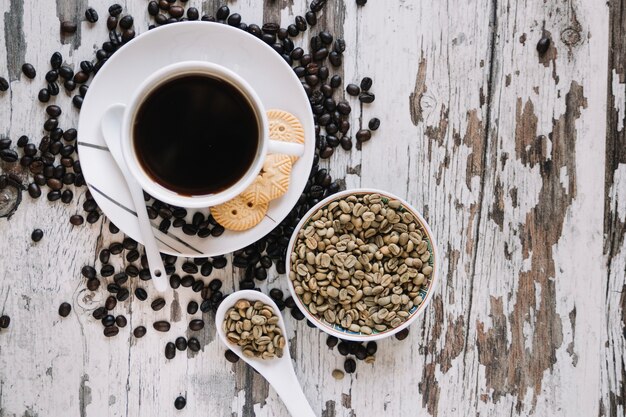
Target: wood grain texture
<point>501,150</point>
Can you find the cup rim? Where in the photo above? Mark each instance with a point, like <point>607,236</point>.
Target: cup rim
<point>156,79</point>
<point>345,334</point>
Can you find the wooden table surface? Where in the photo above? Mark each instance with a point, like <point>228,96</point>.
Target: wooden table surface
<point>517,161</point>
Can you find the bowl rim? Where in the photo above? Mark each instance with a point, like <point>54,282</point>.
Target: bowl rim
<point>346,335</point>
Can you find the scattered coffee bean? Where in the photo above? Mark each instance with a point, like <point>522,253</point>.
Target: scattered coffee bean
<point>193,344</point>
<point>5,321</point>
<point>181,343</point>
<point>374,124</point>
<point>76,220</point>
<point>158,304</point>
<point>543,45</point>
<point>353,89</point>
<point>115,9</point>
<point>180,403</point>
<point>29,71</point>
<point>371,348</point>
<point>161,326</point>
<point>331,341</point>
<point>402,334</point>
<point>196,324</point>
<point>139,332</point>
<point>121,321</point>
<point>36,235</point>
<point>231,356</point>
<point>170,350</point>
<point>65,309</point>
<point>111,331</point>
<point>110,303</point>
<point>108,320</point>
<point>349,365</point>
<point>4,84</point>
<point>91,15</point>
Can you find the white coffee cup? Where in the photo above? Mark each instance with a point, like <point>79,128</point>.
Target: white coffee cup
<point>265,144</point>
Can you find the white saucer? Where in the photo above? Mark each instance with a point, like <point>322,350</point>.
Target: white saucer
<point>270,76</point>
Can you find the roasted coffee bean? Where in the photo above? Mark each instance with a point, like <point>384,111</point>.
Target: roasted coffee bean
<point>145,275</point>
<point>52,76</point>
<point>190,229</point>
<point>175,281</point>
<point>141,294</point>
<point>363,135</point>
<point>300,23</point>
<point>53,111</point>
<point>215,285</point>
<point>231,356</point>
<point>361,352</point>
<point>343,348</point>
<point>99,313</point>
<point>543,45</point>
<point>276,294</point>
<point>107,270</point>
<point>111,331</point>
<point>120,278</point>
<point>190,268</point>
<point>349,365</point>
<point>181,343</point>
<point>158,304</point>
<point>77,220</point>
<point>115,9</point>
<point>192,307</point>
<point>121,321</point>
<point>170,350</point>
<point>5,143</point>
<point>160,19</point>
<point>327,152</point>
<point>326,37</point>
<point>205,307</point>
<point>246,285</point>
<point>110,303</point>
<point>77,101</point>
<point>91,15</point>
<point>112,22</point>
<point>311,18</point>
<point>53,89</point>
<point>36,235</point>
<point>335,59</point>
<point>219,262</point>
<point>367,98</point>
<point>56,60</point>
<point>70,135</point>
<point>222,13</point>
<point>92,217</point>
<point>317,5</point>
<point>366,83</point>
<point>161,326</point>
<point>374,123</point>
<point>65,309</point>
<point>67,196</point>
<point>8,155</point>
<point>4,84</point>
<point>66,73</point>
<point>371,348</point>
<point>402,334</point>
<point>206,269</point>
<point>132,255</point>
<point>187,281</point>
<point>197,286</point>
<point>290,303</point>
<point>193,344</point>
<point>93,284</point>
<point>126,22</point>
<point>297,314</point>
<point>68,27</point>
<point>108,320</point>
<point>331,341</point>
<point>88,271</point>
<point>153,8</point>
<point>139,332</point>
<point>29,71</point>
<point>22,141</point>
<point>293,30</point>
<point>353,89</point>
<point>113,288</point>
<point>297,53</point>
<point>196,324</point>
<point>43,95</point>
<point>234,19</point>
<point>180,402</point>
<point>116,248</point>
<point>260,274</point>
<point>193,14</point>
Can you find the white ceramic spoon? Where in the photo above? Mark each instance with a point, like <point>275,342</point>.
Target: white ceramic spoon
<point>111,125</point>
<point>278,371</point>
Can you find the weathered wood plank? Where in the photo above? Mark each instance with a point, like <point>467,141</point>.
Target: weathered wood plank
<point>613,392</point>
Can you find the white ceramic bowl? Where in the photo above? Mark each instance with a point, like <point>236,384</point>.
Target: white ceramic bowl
<point>427,291</point>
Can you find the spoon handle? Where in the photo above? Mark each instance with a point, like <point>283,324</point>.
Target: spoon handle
<point>289,390</point>
<point>155,263</point>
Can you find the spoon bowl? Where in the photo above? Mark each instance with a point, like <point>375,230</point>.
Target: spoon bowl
<point>278,372</point>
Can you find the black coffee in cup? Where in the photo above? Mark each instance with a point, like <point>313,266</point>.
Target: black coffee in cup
<point>196,134</point>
